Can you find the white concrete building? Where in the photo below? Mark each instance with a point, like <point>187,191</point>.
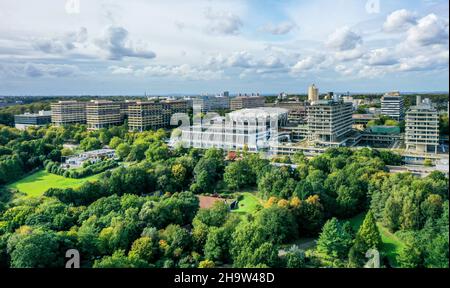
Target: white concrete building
<point>422,127</point>
<point>252,129</point>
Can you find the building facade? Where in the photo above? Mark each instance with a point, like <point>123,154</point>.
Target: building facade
<point>422,128</point>
<point>392,106</point>
<point>329,121</point>
<point>68,112</point>
<point>313,93</point>
<point>103,114</point>
<point>145,115</point>
<point>246,102</point>
<point>251,129</point>
<point>211,103</point>
<point>26,120</point>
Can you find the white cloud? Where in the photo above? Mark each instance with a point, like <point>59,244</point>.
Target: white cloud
<point>399,20</point>
<point>67,42</point>
<point>428,31</point>
<point>116,43</point>
<point>308,63</point>
<point>343,39</point>
<point>121,70</point>
<point>349,55</point>
<point>381,57</point>
<point>222,22</point>
<point>53,70</point>
<point>278,29</point>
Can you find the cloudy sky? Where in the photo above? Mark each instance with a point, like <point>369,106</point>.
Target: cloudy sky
<point>67,47</point>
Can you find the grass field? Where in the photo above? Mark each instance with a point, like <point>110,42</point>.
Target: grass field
<point>248,203</point>
<point>37,183</point>
<point>391,244</point>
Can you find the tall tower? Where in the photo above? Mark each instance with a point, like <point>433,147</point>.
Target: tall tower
<point>313,93</point>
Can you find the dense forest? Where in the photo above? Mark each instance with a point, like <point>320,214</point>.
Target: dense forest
<point>146,213</point>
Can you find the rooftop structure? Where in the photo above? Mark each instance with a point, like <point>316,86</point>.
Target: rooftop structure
<point>422,127</point>
<point>26,120</point>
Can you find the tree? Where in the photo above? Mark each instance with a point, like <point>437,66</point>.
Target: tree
<point>334,241</point>
<point>123,150</point>
<point>115,142</point>
<point>142,248</point>
<point>34,249</point>
<point>295,257</point>
<point>90,143</point>
<point>238,175</point>
<point>119,260</point>
<point>409,256</point>
<point>206,264</point>
<point>367,237</point>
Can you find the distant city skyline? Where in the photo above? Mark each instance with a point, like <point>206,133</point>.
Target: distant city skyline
<point>172,47</point>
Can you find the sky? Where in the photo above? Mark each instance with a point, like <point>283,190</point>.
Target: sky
<point>137,47</point>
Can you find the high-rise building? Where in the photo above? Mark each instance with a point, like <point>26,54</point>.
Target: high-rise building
<point>422,127</point>
<point>313,93</point>
<point>153,115</point>
<point>68,112</point>
<point>102,114</point>
<point>242,102</point>
<point>392,105</point>
<point>124,108</point>
<point>26,120</point>
<point>211,103</point>
<point>329,121</point>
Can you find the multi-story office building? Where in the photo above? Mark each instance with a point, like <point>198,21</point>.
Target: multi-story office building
<point>329,122</point>
<point>422,127</point>
<point>102,114</point>
<point>392,106</point>
<point>26,120</point>
<point>296,110</point>
<point>68,112</point>
<point>253,129</point>
<point>313,93</point>
<point>210,103</point>
<point>124,108</point>
<point>246,102</point>
<point>153,115</point>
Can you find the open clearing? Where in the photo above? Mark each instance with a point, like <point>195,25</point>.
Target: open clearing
<point>37,183</point>
<point>248,204</point>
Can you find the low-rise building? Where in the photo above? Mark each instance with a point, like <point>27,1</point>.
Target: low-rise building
<point>92,156</point>
<point>23,121</point>
<point>380,136</point>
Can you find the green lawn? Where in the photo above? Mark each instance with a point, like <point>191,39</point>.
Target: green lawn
<point>248,203</point>
<point>391,244</point>
<point>36,184</point>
